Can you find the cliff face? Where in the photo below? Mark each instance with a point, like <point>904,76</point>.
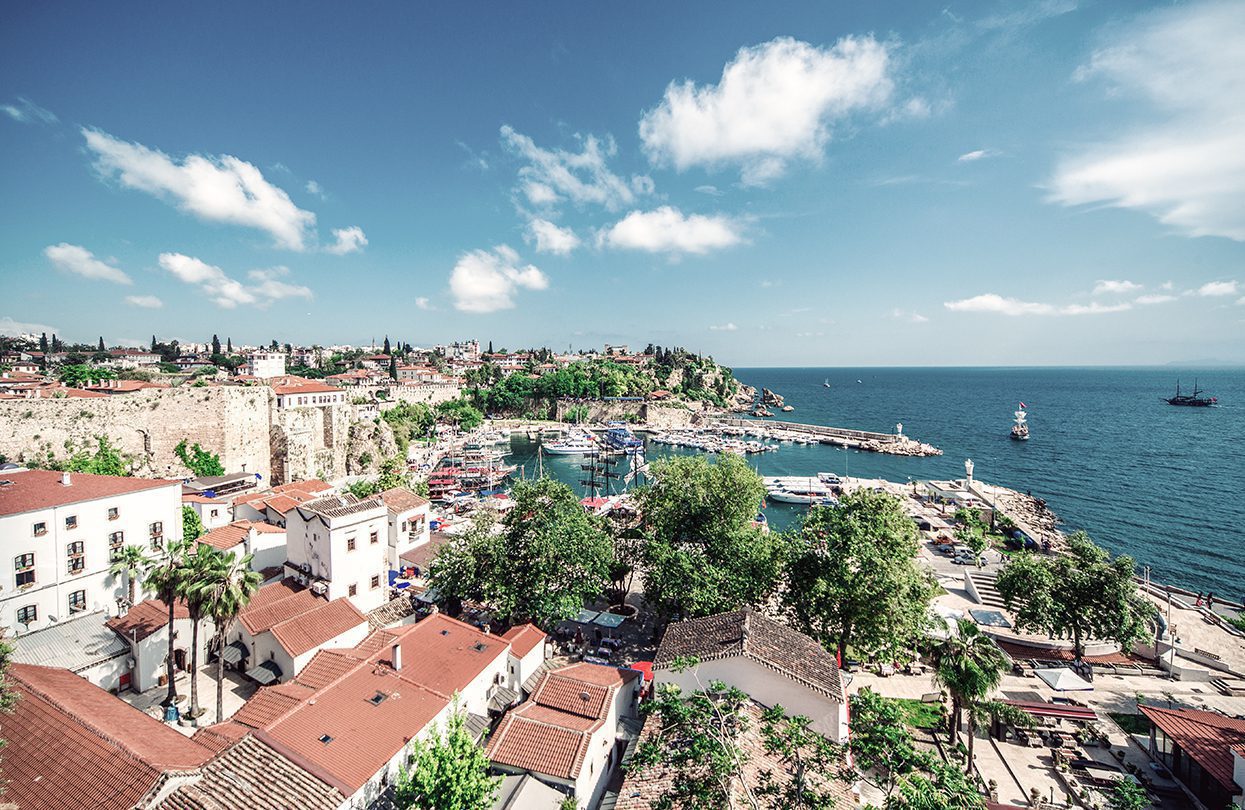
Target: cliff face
<point>370,443</point>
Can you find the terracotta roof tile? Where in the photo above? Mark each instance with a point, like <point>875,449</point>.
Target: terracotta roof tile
<point>1207,737</point>
<point>325,667</point>
<point>276,603</point>
<point>265,707</point>
<point>30,490</point>
<point>535,746</point>
<point>749,634</point>
<point>311,486</point>
<point>318,626</point>
<point>147,617</point>
<point>524,638</point>
<point>401,499</point>
<point>226,537</point>
<point>220,736</point>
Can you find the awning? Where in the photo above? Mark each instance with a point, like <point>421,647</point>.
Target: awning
<point>610,620</point>
<point>1062,679</point>
<point>235,652</point>
<point>1061,710</point>
<point>503,699</point>
<point>586,616</point>
<point>429,596</point>
<point>264,674</point>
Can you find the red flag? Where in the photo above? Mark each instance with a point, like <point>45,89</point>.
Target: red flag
<point>1022,406</point>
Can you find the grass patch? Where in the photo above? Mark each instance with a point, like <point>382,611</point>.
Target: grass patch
<point>918,714</point>
<point>1132,723</point>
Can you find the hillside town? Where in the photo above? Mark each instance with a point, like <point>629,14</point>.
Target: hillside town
<point>181,630</point>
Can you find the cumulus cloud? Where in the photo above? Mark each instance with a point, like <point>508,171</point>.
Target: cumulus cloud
<point>726,327</point>
<point>315,188</point>
<point>486,280</point>
<point>217,189</point>
<point>1109,287</point>
<point>81,262</point>
<point>227,292</point>
<point>550,176</point>
<point>347,240</point>
<point>774,102</point>
<point>1186,168</point>
<point>668,230</point>
<point>12,328</point>
<point>1013,307</point>
<point>1217,289</point>
<point>144,301</point>
<point>25,111</point>
<point>550,238</point>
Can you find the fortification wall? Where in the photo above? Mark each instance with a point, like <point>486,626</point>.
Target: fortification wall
<point>310,442</point>
<point>147,424</point>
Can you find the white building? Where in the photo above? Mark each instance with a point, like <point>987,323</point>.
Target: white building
<point>297,392</point>
<point>408,522</point>
<point>264,364</point>
<point>84,645</point>
<point>764,658</point>
<point>264,541</point>
<point>340,544</point>
<point>146,628</point>
<point>58,532</point>
<point>572,730</point>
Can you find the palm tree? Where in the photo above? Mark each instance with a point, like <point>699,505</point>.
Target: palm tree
<point>226,588</point>
<point>199,568</point>
<point>970,666</point>
<point>130,560</point>
<point>164,576</point>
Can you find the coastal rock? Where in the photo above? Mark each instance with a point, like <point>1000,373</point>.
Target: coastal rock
<point>769,398</point>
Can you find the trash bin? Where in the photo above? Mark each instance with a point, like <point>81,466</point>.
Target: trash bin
<point>171,714</point>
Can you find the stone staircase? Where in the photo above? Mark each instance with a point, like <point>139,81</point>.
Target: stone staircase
<point>987,591</point>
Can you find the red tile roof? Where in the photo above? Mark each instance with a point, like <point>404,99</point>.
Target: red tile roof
<point>275,603</point>
<point>226,537</point>
<point>1207,737</point>
<point>191,498</point>
<point>30,490</point>
<point>444,654</point>
<point>147,617</point>
<point>311,486</point>
<point>300,385</point>
<point>327,666</point>
<point>401,499</point>
<point>524,638</point>
<point>318,626</point>
<point>72,745</point>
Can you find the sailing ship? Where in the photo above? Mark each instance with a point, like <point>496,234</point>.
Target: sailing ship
<point>1020,428</point>
<point>1194,400</point>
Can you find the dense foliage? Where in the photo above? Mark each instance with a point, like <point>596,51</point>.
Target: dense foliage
<point>1080,594</point>
<point>460,413</point>
<point>201,462</point>
<point>192,526</point>
<point>409,421</point>
<point>853,579</point>
<point>970,666</point>
<point>105,460</point>
<point>548,558</point>
<point>446,771</point>
<point>79,374</point>
<point>703,552</point>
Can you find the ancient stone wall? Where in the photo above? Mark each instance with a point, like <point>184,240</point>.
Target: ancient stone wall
<point>147,425</point>
<point>310,442</point>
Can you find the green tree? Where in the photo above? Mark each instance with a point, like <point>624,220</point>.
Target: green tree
<point>192,526</point>
<point>459,413</point>
<point>970,666</point>
<point>8,696</point>
<point>79,374</point>
<point>199,569</point>
<point>703,553</point>
<point>199,461</point>
<point>446,771</point>
<point>549,558</point>
<point>881,743</point>
<point>164,575</point>
<point>1082,593</point>
<point>393,367</point>
<point>226,588</point>
<point>101,344</point>
<point>1126,794</point>
<point>129,562</point>
<point>939,787</point>
<point>854,581</point>
<point>106,460</point>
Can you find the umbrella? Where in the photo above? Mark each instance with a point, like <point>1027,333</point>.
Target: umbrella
<point>1062,679</point>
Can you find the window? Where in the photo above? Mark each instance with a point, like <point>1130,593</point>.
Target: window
<point>157,529</point>
<point>28,615</point>
<point>77,601</point>
<point>349,544</point>
<point>71,522</point>
<point>376,581</point>
<point>373,538</point>
<point>74,549</point>
<point>215,513</point>
<point>76,560</point>
<point>24,564</point>
<point>352,590</point>
<point>157,543</point>
<point>113,513</point>
<point>41,529</point>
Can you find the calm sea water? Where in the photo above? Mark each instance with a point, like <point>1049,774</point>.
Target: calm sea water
<point>1163,484</point>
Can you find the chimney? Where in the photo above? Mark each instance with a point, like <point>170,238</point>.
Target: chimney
<point>395,656</point>
<point>65,480</point>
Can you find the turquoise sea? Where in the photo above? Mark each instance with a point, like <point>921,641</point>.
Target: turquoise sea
<point>1164,484</point>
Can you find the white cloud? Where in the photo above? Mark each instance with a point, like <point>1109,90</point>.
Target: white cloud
<point>712,191</point>
<point>25,111</point>
<point>1027,14</point>
<point>726,327</point>
<point>12,328</point>
<point>975,155</point>
<point>993,303</point>
<point>486,281</point>
<point>550,238</point>
<point>348,240</point>
<point>1109,287</point>
<point>1217,289</point>
<point>910,317</point>
<point>1153,298</point>
<point>553,175</point>
<point>144,301</point>
<point>1186,169</point>
<point>315,188</point>
<point>774,102</point>
<point>227,292</point>
<point>668,230</point>
<point>424,304</point>
<point>81,262</point>
<point>216,189</point>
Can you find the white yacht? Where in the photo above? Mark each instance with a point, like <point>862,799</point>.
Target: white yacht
<point>573,445</point>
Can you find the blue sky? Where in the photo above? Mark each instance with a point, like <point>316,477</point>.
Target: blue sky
<point>1059,181</point>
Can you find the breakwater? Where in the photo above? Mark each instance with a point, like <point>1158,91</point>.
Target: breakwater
<point>891,443</point>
